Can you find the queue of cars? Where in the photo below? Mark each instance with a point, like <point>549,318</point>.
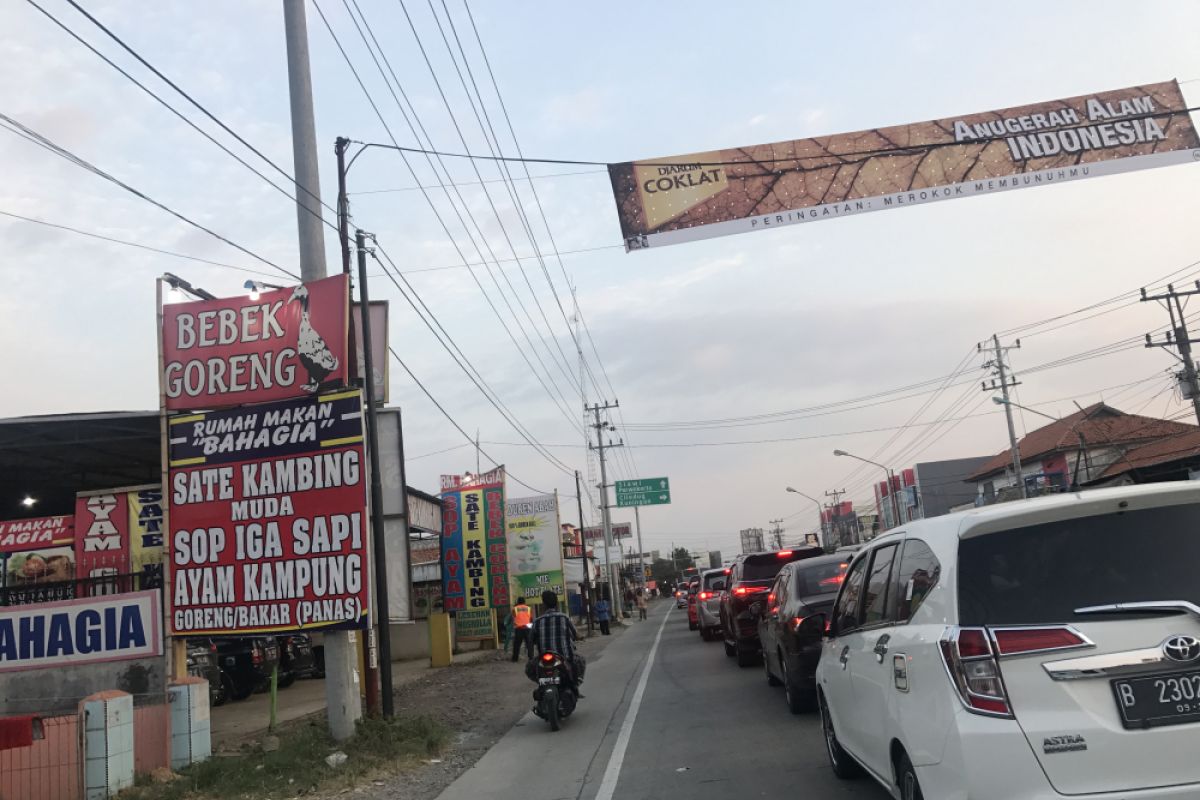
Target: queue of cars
<point>235,668</point>
<point>1030,649</point>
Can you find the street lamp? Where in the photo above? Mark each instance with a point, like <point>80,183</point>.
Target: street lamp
<point>820,509</point>
<point>886,471</point>
<point>1000,401</point>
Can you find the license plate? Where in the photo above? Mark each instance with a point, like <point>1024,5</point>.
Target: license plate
<point>546,681</point>
<point>1156,700</point>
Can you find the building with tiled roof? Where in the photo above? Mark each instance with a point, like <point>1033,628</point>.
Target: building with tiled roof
<point>1083,448</point>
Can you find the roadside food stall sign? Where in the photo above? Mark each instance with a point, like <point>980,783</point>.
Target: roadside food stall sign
<point>73,632</point>
<point>288,343</point>
<point>268,524</point>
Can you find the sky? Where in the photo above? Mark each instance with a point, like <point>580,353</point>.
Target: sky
<point>795,318</point>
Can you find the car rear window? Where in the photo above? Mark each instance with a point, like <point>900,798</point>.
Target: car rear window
<point>766,566</point>
<point>818,579</point>
<point>1042,573</point>
<point>715,581</point>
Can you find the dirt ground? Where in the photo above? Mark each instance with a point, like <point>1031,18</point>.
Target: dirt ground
<point>479,702</point>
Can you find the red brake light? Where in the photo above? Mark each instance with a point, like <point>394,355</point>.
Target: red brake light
<point>740,591</point>
<point>547,657</point>
<point>975,671</point>
<point>705,595</point>
<point>727,571</point>
<point>796,623</point>
<point>835,580</point>
<point>783,553</point>
<point>1012,641</point>
<point>973,643</point>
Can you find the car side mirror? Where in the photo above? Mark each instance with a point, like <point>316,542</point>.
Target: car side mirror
<point>814,626</point>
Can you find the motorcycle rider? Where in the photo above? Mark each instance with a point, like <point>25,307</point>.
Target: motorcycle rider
<point>522,617</point>
<point>554,632</point>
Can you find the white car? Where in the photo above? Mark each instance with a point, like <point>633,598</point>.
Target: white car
<point>1030,649</point>
<point>708,601</point>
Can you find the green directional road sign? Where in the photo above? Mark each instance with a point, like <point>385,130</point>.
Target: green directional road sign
<point>643,492</point>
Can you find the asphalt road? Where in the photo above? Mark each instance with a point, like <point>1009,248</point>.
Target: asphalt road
<point>691,726</point>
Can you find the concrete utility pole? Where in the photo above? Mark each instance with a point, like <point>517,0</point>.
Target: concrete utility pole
<point>997,364</point>
<point>836,494</point>
<point>343,707</point>
<point>587,578</point>
<point>637,521</point>
<point>614,571</point>
<point>777,533</point>
<point>1178,337</point>
<point>304,143</point>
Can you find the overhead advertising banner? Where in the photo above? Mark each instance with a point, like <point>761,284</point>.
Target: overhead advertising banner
<point>72,632</point>
<point>36,533</point>
<point>740,190</point>
<point>474,548</point>
<point>102,539</point>
<point>535,557</point>
<point>268,518</point>
<point>620,530</point>
<point>287,343</point>
<point>39,576</point>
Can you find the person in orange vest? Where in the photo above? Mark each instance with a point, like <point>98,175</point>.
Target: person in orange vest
<point>522,617</point>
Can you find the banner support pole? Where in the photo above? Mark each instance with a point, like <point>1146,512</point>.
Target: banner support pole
<point>381,616</point>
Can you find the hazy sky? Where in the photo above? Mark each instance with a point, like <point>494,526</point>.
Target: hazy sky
<point>746,325</point>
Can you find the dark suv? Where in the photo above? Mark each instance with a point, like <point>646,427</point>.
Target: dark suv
<point>750,580</point>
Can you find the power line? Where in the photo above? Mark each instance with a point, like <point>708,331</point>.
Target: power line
<point>199,106</point>
<point>547,176</point>
<point>178,114</point>
<point>13,126</point>
<point>127,243</point>
<point>838,159</point>
<point>409,121</point>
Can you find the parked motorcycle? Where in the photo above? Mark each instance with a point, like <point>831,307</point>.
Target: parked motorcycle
<point>556,695</point>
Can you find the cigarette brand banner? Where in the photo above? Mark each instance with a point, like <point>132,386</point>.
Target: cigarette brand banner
<point>36,533</point>
<point>474,549</point>
<point>102,538</point>
<point>535,557</point>
<point>286,343</point>
<point>268,518</point>
<point>756,188</point>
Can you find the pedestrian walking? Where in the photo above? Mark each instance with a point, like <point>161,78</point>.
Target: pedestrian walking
<point>641,605</point>
<point>522,618</point>
<point>602,611</point>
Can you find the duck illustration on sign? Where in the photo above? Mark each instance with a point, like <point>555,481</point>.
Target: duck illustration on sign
<point>314,354</point>
<point>526,548</point>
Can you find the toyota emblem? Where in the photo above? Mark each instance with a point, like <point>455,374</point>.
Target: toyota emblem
<point>1182,648</point>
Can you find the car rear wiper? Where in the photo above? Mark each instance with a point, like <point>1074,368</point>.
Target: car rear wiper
<point>1144,607</point>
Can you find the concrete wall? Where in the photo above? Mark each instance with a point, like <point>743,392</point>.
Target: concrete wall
<point>59,690</point>
<point>410,640</point>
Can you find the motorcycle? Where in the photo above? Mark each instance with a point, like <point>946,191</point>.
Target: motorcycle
<point>556,694</point>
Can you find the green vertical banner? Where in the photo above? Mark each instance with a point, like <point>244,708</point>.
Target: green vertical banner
<point>535,547</point>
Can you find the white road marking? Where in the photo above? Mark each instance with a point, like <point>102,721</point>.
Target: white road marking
<point>612,772</point>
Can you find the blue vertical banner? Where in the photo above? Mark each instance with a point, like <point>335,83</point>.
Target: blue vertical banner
<point>454,595</point>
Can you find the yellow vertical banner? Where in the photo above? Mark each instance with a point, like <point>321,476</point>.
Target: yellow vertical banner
<point>146,536</point>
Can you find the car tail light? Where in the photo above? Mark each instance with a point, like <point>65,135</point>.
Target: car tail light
<point>256,654</point>
<point>1016,641</point>
<point>783,553</point>
<point>706,595</point>
<point>742,591</point>
<point>975,672</point>
<point>727,571</point>
<point>835,580</point>
<point>796,623</point>
<point>547,657</point>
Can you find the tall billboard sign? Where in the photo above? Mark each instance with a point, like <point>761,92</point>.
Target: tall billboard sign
<point>268,524</point>
<point>474,545</point>
<point>235,350</point>
<point>535,552</point>
<point>102,539</point>
<point>757,188</point>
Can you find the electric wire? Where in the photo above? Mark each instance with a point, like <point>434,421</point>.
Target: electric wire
<point>157,98</point>
<point>199,106</point>
<point>429,200</point>
<point>13,126</point>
